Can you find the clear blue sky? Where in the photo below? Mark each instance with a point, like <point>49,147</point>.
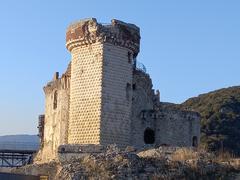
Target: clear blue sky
<point>189,47</point>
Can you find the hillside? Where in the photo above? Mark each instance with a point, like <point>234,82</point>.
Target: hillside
<point>220,111</point>
<point>19,142</point>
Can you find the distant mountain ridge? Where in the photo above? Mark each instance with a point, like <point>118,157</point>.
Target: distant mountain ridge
<point>19,142</point>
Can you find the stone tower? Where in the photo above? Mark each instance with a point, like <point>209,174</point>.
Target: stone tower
<point>103,57</point>
<point>105,97</point>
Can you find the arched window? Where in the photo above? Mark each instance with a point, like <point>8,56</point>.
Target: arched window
<point>195,141</point>
<point>55,97</point>
<point>149,136</point>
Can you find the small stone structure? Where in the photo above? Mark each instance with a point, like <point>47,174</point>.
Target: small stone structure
<point>105,97</point>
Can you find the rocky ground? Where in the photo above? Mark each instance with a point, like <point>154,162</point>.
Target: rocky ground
<point>159,163</point>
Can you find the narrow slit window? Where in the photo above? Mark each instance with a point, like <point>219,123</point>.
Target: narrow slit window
<point>129,58</point>
<point>134,86</point>
<point>195,141</point>
<point>128,91</point>
<point>55,100</point>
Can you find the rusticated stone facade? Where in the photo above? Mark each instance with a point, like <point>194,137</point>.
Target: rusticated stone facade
<point>105,98</point>
<point>102,63</point>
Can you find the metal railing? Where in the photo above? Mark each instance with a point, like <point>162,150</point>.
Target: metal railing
<point>15,158</point>
<point>139,66</point>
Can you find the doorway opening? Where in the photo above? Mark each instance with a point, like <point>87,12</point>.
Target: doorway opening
<point>194,141</point>
<point>149,136</point>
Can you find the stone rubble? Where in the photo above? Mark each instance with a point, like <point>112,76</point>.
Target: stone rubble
<point>147,164</point>
<point>158,163</point>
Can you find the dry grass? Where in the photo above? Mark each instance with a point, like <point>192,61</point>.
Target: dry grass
<point>224,156</point>
<point>235,163</point>
<point>184,154</point>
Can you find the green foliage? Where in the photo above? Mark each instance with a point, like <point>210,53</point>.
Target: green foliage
<point>220,124</point>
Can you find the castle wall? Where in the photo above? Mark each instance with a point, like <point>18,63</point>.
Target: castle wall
<point>110,101</point>
<point>85,99</point>
<point>56,118</point>
<point>142,102</point>
<point>176,127</point>
<point>170,126</point>
<point>116,95</point>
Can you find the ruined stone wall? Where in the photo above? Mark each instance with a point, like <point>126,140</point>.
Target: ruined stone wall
<point>56,118</point>
<point>142,103</point>
<point>170,126</point>
<point>176,127</point>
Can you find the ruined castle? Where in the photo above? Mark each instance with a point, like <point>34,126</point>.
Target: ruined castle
<point>106,97</point>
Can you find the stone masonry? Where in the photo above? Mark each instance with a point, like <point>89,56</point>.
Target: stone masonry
<point>105,97</point>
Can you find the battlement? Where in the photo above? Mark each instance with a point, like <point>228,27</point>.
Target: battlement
<point>89,31</point>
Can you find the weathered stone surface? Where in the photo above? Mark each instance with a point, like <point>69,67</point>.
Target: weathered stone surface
<point>104,98</point>
<point>89,31</point>
<point>172,127</point>
<point>55,127</point>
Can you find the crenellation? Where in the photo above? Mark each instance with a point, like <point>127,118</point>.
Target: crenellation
<point>89,31</point>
